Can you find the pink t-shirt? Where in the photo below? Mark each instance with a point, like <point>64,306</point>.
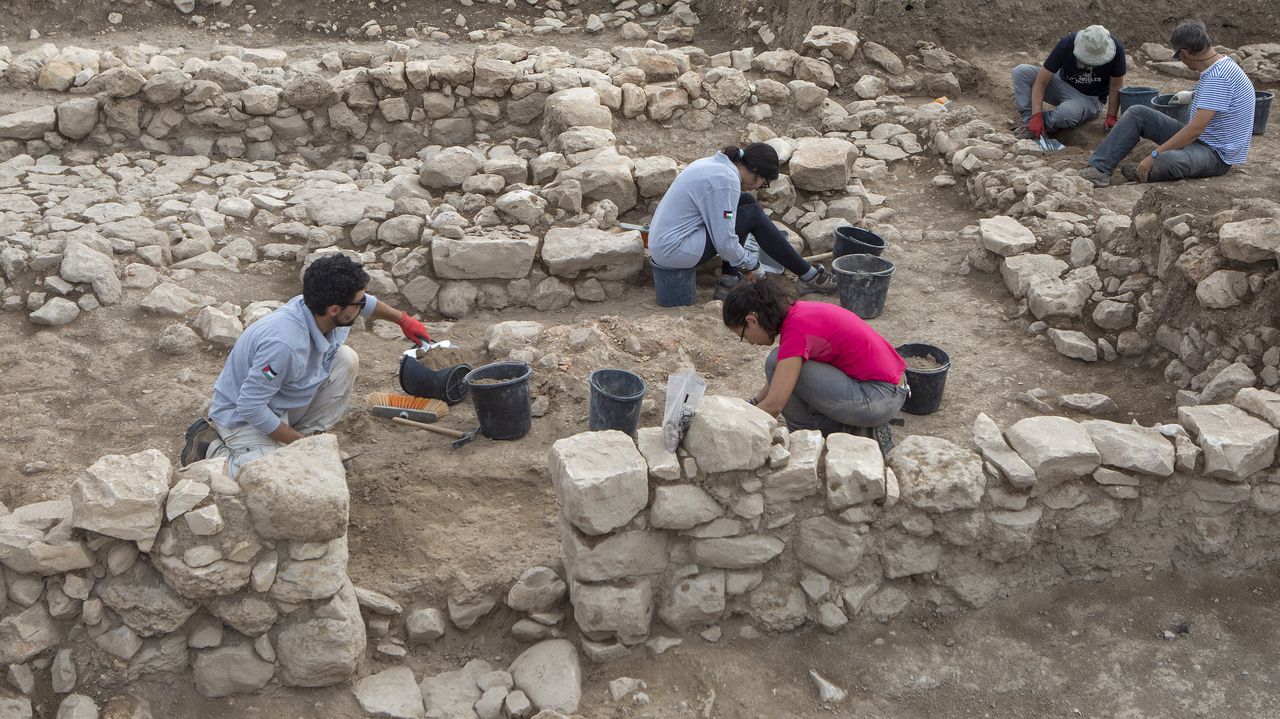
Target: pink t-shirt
<point>822,332</point>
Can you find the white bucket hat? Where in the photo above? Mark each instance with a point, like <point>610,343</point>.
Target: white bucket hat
<point>1094,46</point>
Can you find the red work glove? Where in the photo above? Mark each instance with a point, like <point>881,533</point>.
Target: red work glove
<point>1110,122</point>
<point>1036,125</point>
<point>413,329</point>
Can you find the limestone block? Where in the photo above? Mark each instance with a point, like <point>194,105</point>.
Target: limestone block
<point>799,478</point>
<point>1223,289</point>
<point>625,610</point>
<point>1012,533</point>
<point>77,118</point>
<point>1256,240</point>
<point>122,496</point>
<point>1235,443</point>
<point>831,547</point>
<point>693,600</point>
<point>344,209</point>
<point>1056,448</point>
<point>217,327</point>
<point>742,552</point>
<point>568,251</point>
<point>606,176</point>
<point>1004,236</point>
<point>539,589</point>
<point>616,556</point>
<point>682,506</point>
<point>28,124</point>
<point>600,479</point>
<point>727,434</point>
<point>990,442</point>
<point>390,693</point>
<point>1073,344</point>
<point>822,163</point>
<point>662,464</point>
<point>325,649</point>
<point>452,694</point>
<point>522,206</point>
<point>448,168</point>
<point>301,580</point>
<point>1131,447</point>
<point>491,256</point>
<point>842,42</point>
<point>936,475</point>
<point>904,555</point>
<point>1021,271</point>
<point>56,312</point>
<point>779,604</point>
<point>550,675</point>
<point>854,469</point>
<point>144,601</point>
<point>230,671</point>
<point>1227,383</point>
<point>1260,402</point>
<point>298,492</point>
<point>27,633</point>
<point>654,175</point>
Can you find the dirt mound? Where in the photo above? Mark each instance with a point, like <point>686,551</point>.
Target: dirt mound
<point>965,25</point>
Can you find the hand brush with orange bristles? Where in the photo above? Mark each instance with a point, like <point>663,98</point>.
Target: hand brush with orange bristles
<point>418,409</point>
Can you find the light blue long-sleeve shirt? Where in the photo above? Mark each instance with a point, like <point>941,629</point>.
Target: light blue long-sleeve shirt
<point>702,201</point>
<point>277,365</point>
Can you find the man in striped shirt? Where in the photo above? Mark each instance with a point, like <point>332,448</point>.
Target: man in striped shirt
<point>1216,137</point>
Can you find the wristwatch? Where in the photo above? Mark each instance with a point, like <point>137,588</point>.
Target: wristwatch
<point>1155,154</point>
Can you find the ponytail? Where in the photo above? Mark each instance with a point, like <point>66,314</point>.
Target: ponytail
<point>768,298</point>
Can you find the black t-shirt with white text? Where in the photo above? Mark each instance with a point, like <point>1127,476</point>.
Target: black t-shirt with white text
<point>1093,81</point>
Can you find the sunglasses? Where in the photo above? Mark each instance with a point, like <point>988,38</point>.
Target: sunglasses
<point>742,336</point>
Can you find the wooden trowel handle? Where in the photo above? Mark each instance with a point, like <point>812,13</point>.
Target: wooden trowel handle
<point>429,427</point>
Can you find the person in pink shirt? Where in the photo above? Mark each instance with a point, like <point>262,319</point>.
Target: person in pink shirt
<point>830,372</point>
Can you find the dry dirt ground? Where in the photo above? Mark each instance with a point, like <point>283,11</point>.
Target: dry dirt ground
<point>427,521</point>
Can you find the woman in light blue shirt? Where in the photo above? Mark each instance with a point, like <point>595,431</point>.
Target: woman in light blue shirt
<point>709,210</point>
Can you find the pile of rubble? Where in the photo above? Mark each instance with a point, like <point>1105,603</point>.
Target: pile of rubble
<point>786,528</point>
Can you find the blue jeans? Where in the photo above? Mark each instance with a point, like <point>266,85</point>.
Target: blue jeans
<point>1072,107</point>
<point>828,400</point>
<point>749,219</point>
<point>1194,160</point>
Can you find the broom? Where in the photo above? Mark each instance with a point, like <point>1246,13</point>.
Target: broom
<point>418,409</point>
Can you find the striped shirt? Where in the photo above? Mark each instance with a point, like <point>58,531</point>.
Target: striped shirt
<point>1225,89</point>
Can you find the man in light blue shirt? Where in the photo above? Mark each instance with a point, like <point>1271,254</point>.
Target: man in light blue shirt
<point>290,374</point>
<point>1215,137</point>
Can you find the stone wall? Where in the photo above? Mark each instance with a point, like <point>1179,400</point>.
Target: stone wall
<point>467,181</point>
<point>787,529</point>
<point>145,570</point>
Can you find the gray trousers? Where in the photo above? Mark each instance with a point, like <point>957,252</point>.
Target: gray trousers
<point>827,399</point>
<point>1194,160</point>
<point>1072,107</point>
<point>242,443</point>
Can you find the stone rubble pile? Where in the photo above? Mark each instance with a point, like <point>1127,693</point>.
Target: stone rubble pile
<point>1260,61</point>
<point>145,570</point>
<point>787,529</point>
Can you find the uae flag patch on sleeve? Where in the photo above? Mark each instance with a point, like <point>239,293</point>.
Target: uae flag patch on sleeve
<point>269,373</point>
<point>728,214</point>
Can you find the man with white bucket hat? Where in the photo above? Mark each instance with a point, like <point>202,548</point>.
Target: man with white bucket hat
<point>1085,70</point>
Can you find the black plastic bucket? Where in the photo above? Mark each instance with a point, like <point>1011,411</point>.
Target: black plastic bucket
<point>615,400</point>
<point>926,384</point>
<point>500,393</point>
<point>864,283</point>
<point>1136,95</point>
<point>1177,112</point>
<point>674,288</point>
<point>852,240</point>
<point>1261,110</point>
<point>446,384</point>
